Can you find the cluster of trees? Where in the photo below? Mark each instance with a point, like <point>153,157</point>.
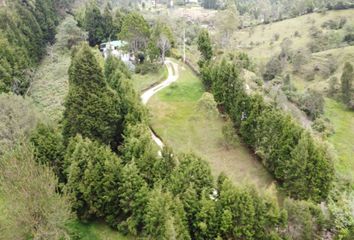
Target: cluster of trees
<point>155,41</point>
<point>109,167</point>
<point>299,162</point>
<point>26,27</point>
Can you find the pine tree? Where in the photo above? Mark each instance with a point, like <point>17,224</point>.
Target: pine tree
<point>139,147</point>
<point>191,171</point>
<point>93,178</point>
<point>133,195</point>
<point>94,24</point>
<point>161,220</point>
<point>91,108</point>
<point>205,48</point>
<point>49,148</point>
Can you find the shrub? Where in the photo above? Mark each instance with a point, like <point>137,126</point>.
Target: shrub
<point>272,69</point>
<point>207,105</point>
<point>312,102</point>
<point>323,126</point>
<point>147,67</point>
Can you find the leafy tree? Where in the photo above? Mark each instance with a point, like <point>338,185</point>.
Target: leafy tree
<point>135,30</point>
<point>205,47</point>
<point>49,148</point>
<point>305,219</point>
<point>93,177</point>
<point>273,69</point>
<point>312,102</point>
<point>94,24</point>
<point>227,21</point>
<point>347,83</point>
<point>91,108</point>
<point>32,206</point>
<point>18,118</point>
<point>69,34</point>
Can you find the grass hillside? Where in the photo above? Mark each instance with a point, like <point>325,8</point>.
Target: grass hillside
<point>262,41</point>
<point>343,121</point>
<point>177,120</point>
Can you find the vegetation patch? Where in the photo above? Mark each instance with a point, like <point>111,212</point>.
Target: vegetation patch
<point>343,121</point>
<point>177,119</point>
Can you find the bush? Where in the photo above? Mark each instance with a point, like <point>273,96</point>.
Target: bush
<point>349,38</point>
<point>147,67</point>
<point>207,105</point>
<point>273,69</point>
<point>312,102</point>
<point>323,126</point>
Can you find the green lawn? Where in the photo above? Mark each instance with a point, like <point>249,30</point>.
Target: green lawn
<point>176,119</point>
<point>141,82</point>
<point>97,231</point>
<point>343,139</point>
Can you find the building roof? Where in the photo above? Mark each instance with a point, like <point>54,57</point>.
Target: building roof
<point>117,43</point>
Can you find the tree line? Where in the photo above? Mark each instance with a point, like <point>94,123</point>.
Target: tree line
<point>298,161</point>
<point>26,27</point>
<point>108,166</point>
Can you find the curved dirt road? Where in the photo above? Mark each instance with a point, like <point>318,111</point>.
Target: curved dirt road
<point>146,95</point>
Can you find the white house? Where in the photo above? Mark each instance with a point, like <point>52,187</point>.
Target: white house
<point>117,49</point>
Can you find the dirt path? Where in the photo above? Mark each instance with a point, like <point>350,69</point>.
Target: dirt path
<point>146,95</point>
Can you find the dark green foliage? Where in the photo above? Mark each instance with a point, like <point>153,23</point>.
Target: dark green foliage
<point>273,69</point>
<point>133,197</point>
<point>164,165</point>
<point>25,29</point>
<point>305,220</point>
<point>246,215</point>
<point>49,148</point>
<point>135,30</point>
<point>274,136</point>
<point>117,76</point>
<point>205,48</point>
<point>140,148</point>
<point>312,103</point>
<point>191,171</point>
<point>94,24</point>
<point>93,178</point>
<point>164,217</point>
<point>91,108</point>
<point>347,80</point>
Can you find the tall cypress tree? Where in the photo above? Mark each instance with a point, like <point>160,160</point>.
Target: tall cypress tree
<point>347,82</point>
<point>91,108</point>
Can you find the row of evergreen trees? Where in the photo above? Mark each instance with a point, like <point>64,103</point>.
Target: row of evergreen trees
<point>25,29</point>
<point>298,161</point>
<point>108,164</point>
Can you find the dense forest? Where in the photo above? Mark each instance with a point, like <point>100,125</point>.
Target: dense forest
<point>99,162</point>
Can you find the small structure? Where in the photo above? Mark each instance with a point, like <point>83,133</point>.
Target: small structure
<point>117,48</point>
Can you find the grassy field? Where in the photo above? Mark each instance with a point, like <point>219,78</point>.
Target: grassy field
<point>50,85</point>
<point>343,139</point>
<point>176,119</point>
<point>97,231</point>
<point>260,41</point>
<point>141,82</point>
